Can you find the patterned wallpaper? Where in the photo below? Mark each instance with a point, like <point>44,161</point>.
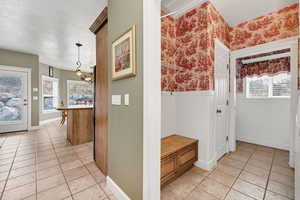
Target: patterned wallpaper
<point>188,43</point>
<point>188,48</point>
<point>274,26</point>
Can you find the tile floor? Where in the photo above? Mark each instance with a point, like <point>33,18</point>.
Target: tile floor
<point>42,165</point>
<point>252,172</point>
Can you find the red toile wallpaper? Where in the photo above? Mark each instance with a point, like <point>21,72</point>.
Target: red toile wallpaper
<point>188,43</point>
<point>274,26</point>
<point>188,48</point>
<point>168,49</point>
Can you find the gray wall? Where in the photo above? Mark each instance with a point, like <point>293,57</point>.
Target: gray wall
<point>17,59</point>
<point>125,153</point>
<point>63,76</point>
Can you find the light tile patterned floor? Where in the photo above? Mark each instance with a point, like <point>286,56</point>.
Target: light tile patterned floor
<point>42,165</point>
<point>252,172</point>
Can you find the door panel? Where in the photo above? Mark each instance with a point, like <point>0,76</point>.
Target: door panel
<point>222,97</point>
<point>13,101</point>
<point>101,103</point>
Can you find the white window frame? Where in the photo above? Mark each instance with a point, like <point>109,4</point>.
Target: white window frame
<point>270,95</point>
<point>42,96</point>
<point>68,89</point>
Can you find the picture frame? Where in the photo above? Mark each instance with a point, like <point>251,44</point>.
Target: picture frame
<point>124,55</point>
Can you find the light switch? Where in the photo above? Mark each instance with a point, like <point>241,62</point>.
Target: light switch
<point>116,99</point>
<point>126,99</point>
<point>35,98</point>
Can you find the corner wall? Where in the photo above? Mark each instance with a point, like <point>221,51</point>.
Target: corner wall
<point>125,139</point>
<point>18,59</point>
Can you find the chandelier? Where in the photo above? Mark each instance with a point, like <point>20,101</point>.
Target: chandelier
<point>78,63</point>
<point>88,77</point>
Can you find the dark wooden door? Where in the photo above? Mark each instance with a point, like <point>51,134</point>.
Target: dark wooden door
<point>101,103</point>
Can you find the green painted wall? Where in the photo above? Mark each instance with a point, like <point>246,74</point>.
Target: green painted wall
<point>17,59</point>
<point>63,76</point>
<point>125,154</point>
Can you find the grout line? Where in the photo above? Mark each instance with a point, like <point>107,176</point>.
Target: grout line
<point>270,171</point>
<point>90,173</point>
<point>6,180</point>
<point>60,165</point>
<point>231,188</point>
<point>35,165</point>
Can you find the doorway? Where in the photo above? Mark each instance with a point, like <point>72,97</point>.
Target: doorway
<point>222,55</point>
<point>14,99</point>
<point>280,50</point>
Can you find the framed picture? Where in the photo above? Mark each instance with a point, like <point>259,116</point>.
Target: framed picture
<point>123,55</point>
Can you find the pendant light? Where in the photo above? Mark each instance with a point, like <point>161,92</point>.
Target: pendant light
<point>78,63</point>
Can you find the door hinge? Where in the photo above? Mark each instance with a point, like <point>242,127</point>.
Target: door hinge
<point>227,102</point>
<point>227,66</point>
<point>227,138</point>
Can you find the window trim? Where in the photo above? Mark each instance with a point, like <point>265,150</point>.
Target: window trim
<point>270,95</point>
<point>68,89</point>
<point>44,77</point>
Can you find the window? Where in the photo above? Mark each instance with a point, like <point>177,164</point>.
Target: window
<point>276,86</point>
<point>49,94</point>
<point>80,93</point>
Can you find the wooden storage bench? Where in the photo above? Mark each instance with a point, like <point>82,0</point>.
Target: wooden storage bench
<point>178,154</point>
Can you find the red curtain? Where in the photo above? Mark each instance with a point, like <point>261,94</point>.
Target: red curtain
<point>268,67</point>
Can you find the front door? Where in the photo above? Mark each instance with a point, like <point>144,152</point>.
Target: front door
<point>13,100</point>
<point>222,97</point>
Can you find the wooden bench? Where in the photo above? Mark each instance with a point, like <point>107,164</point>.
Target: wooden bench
<point>178,154</point>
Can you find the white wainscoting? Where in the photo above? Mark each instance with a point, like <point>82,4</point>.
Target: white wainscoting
<point>190,114</point>
<point>263,121</point>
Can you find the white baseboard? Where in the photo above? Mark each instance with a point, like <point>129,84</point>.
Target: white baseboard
<point>116,190</point>
<point>206,165</point>
<point>33,128</point>
<point>248,140</point>
<point>49,120</point>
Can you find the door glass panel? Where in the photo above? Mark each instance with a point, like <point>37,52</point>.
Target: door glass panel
<point>11,101</point>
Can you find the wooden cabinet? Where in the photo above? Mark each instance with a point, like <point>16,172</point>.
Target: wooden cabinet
<point>178,154</point>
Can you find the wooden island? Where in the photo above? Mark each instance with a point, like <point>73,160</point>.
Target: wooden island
<point>79,123</point>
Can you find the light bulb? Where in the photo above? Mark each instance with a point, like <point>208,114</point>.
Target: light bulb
<point>78,72</point>
<point>88,78</point>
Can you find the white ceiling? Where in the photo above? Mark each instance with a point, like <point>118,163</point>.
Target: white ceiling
<point>234,11</point>
<point>50,29</point>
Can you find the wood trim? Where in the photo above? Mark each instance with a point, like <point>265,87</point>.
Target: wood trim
<point>100,21</point>
<point>101,102</point>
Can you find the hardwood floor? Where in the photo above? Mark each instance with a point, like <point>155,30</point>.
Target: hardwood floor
<point>41,164</point>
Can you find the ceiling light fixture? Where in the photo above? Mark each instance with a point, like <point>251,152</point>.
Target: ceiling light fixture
<point>78,63</point>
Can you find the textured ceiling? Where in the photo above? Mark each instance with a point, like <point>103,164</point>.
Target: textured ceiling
<point>50,29</point>
<point>234,11</point>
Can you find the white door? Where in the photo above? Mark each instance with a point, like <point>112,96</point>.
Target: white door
<point>13,100</point>
<point>221,97</point>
